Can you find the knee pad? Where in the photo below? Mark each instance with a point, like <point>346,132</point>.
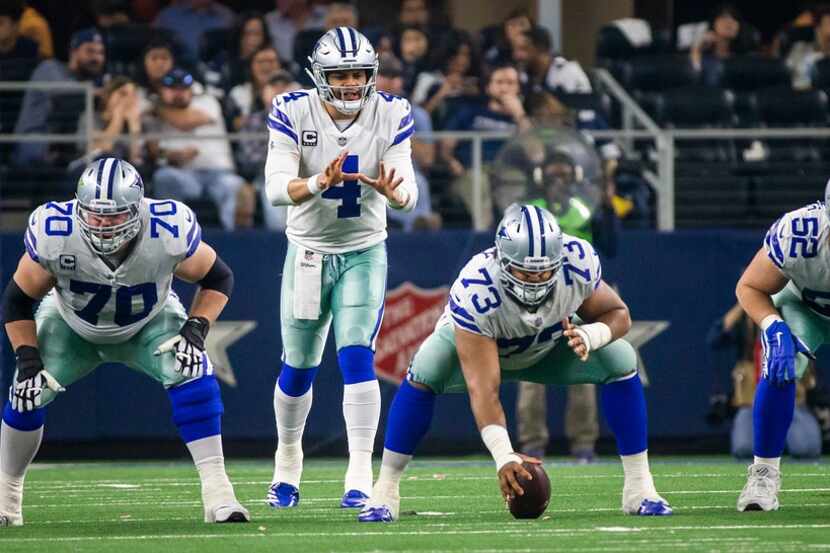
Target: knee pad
<point>197,408</point>
<point>296,382</point>
<point>357,363</point>
<point>25,422</point>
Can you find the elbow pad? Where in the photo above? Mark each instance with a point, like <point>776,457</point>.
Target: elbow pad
<point>219,278</point>
<point>17,305</point>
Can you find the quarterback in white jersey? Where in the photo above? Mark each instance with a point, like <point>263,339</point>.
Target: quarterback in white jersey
<point>339,155</point>
<point>786,291</point>
<point>102,264</point>
<point>509,317</point>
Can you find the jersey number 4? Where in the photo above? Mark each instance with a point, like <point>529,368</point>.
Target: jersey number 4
<point>348,192</point>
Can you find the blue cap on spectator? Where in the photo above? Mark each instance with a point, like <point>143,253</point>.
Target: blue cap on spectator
<point>83,36</point>
<point>177,78</point>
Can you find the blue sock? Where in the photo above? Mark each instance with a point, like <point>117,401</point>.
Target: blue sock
<point>772,414</point>
<point>197,408</point>
<point>409,418</point>
<point>296,382</point>
<point>624,407</point>
<point>26,422</point>
<point>357,363</point>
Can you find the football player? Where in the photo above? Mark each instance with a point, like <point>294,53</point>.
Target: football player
<point>533,308</point>
<point>786,291</point>
<point>102,264</point>
<point>339,155</point>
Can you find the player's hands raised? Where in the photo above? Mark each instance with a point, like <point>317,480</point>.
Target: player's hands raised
<point>333,173</point>
<point>576,340</point>
<point>387,184</point>
<point>511,472</point>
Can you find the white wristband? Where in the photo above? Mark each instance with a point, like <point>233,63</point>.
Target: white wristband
<point>311,183</point>
<point>769,319</point>
<point>395,205</point>
<point>595,335</point>
<point>497,440</point>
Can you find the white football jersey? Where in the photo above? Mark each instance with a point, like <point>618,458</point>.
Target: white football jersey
<point>478,304</point>
<point>352,215</point>
<point>105,305</point>
<point>798,245</point>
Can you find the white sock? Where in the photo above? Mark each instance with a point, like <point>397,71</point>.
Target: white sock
<point>771,461</point>
<point>17,449</point>
<point>637,473</point>
<point>11,495</point>
<point>291,413</point>
<point>207,456</point>
<point>361,411</point>
<point>392,467</point>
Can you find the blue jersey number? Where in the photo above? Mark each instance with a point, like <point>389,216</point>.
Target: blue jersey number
<point>348,193</point>
<point>817,301</point>
<point>101,294</point>
<point>805,237</point>
<point>522,343</point>
<point>59,225</point>
<point>162,209</point>
<point>491,300</point>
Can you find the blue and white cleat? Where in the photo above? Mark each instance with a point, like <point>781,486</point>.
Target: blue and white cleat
<point>283,496</point>
<point>354,499</point>
<point>380,513</point>
<point>654,508</point>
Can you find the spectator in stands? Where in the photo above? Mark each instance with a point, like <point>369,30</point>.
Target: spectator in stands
<point>196,166</point>
<point>243,99</point>
<point>289,18</point>
<point>803,55</point>
<point>189,19</point>
<point>717,44</point>
<point>156,62</point>
<point>86,63</point>
<point>457,76</point>
<point>737,332</point>
<point>110,13</point>
<point>497,42</point>
<point>339,14</point>
<point>15,49</point>
<point>251,154</point>
<point>416,13</point>
<point>545,70</point>
<point>35,27</point>
<point>249,36</point>
<point>390,79</point>
<point>413,49</point>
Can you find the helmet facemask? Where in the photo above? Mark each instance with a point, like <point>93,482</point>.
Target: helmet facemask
<point>108,239</point>
<point>529,294</point>
<point>333,95</point>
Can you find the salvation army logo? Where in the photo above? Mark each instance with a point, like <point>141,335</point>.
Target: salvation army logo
<point>409,316</point>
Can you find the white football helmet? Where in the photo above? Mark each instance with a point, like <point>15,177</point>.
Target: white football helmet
<point>109,186</point>
<point>342,49</point>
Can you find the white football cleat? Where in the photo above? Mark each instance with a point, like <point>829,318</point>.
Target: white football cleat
<point>230,512</point>
<point>383,506</point>
<point>643,500</point>
<point>761,490</point>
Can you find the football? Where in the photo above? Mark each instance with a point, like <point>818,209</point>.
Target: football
<point>536,497</point>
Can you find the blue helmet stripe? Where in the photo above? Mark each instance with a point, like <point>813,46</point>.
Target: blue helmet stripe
<point>113,166</point>
<point>530,240</point>
<point>99,177</point>
<point>341,39</point>
<point>541,229</point>
<point>354,40</point>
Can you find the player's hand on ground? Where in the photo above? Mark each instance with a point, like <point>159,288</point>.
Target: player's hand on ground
<point>333,173</point>
<point>780,348</point>
<point>26,393</point>
<point>576,340</point>
<point>387,184</point>
<point>189,347</point>
<point>511,472</point>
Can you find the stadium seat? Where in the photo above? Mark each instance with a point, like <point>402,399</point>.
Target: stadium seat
<point>711,201</point>
<point>746,73</point>
<point>693,107</point>
<point>784,107</point>
<point>654,73</point>
<point>613,44</point>
<point>821,74</point>
<point>774,195</point>
<point>600,103</point>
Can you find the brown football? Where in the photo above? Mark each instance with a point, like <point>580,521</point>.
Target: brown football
<point>536,497</point>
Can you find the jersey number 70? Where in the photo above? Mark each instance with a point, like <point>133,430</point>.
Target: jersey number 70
<point>348,193</point>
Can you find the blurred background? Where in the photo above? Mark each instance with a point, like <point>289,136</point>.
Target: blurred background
<point>671,134</point>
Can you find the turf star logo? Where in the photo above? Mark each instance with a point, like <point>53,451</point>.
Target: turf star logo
<point>224,334</point>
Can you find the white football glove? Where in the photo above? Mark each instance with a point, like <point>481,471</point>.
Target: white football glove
<point>26,392</point>
<point>189,347</point>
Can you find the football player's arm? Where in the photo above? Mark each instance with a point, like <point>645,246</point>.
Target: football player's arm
<point>398,161</point>
<point>606,318</point>
<point>760,281</point>
<point>215,281</point>
<point>28,286</point>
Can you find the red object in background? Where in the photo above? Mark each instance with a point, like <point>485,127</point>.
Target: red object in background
<point>410,314</point>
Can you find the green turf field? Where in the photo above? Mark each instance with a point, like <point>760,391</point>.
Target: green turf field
<point>119,507</point>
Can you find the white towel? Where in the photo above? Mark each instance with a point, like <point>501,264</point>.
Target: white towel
<point>308,281</point>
